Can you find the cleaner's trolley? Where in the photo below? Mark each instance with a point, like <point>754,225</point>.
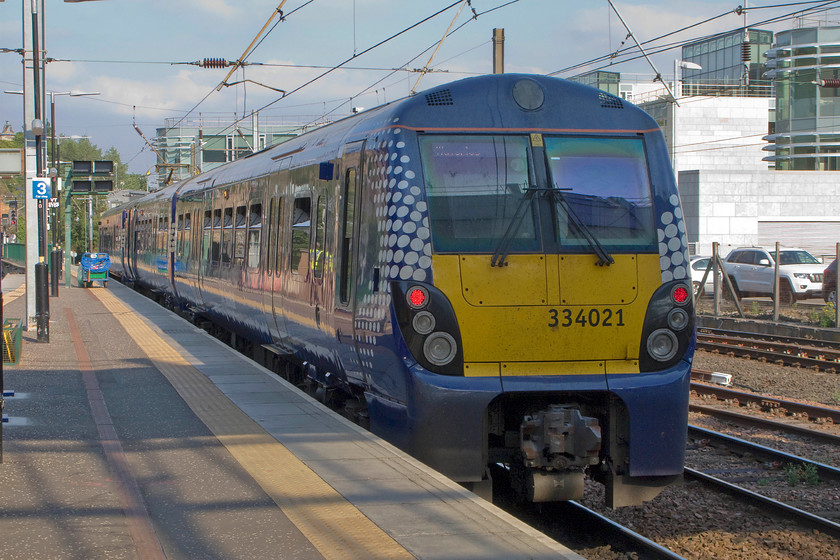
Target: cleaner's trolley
<point>94,267</point>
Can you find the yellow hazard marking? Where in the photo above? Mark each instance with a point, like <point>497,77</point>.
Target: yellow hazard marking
<point>14,294</point>
<point>332,524</point>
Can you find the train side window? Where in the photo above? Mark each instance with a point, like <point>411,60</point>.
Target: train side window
<point>348,211</point>
<point>269,241</point>
<point>320,256</point>
<point>215,247</point>
<point>254,231</point>
<point>185,239</point>
<point>227,230</point>
<point>179,242</point>
<point>164,235</point>
<point>278,234</point>
<point>239,236</point>
<point>301,235</point>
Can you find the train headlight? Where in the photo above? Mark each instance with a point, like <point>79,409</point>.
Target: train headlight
<point>677,319</point>
<point>423,322</point>
<point>440,348</point>
<point>662,345</point>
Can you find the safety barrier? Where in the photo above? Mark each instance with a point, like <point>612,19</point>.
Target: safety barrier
<point>11,341</point>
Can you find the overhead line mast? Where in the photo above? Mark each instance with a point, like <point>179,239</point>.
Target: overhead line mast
<point>658,77</point>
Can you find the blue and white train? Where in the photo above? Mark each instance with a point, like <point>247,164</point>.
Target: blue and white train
<point>489,273</point>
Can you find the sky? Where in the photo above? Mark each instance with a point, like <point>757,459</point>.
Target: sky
<point>135,53</point>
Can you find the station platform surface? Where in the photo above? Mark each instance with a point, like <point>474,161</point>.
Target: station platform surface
<point>134,434</point>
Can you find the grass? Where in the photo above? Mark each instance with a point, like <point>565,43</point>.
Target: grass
<point>801,473</point>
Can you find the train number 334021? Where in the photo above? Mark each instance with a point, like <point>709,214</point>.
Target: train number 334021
<point>592,317</point>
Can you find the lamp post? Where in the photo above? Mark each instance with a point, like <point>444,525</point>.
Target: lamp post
<point>678,93</point>
<point>55,256</point>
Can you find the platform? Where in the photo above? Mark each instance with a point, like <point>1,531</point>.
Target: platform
<point>134,434</point>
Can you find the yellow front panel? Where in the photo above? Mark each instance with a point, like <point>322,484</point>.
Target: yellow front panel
<point>552,368</point>
<point>598,332</point>
<point>478,369</point>
<point>521,281</point>
<point>582,282</point>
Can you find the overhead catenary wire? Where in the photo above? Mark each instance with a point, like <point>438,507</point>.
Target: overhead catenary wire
<point>421,53</point>
<point>341,64</point>
<point>248,50</point>
<point>445,34</point>
<point>632,53</point>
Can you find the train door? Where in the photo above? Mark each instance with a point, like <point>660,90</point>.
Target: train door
<point>346,258</point>
<point>275,259</point>
<point>131,241</point>
<point>205,223</point>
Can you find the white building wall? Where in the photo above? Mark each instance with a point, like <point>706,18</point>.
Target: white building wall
<point>720,133</point>
<point>743,207</point>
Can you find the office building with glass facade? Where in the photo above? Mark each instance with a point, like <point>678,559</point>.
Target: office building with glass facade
<point>807,131</point>
<point>189,146</point>
<point>729,65</point>
<point>605,81</point>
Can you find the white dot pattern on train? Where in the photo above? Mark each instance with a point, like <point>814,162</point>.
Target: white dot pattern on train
<point>673,248</point>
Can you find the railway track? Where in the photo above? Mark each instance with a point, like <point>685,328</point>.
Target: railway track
<point>782,350</point>
<point>778,508</point>
<point>819,414</point>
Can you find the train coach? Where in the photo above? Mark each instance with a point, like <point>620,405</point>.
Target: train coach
<point>491,274</point>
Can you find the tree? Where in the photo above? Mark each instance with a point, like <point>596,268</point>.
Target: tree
<point>13,188</point>
<point>70,150</point>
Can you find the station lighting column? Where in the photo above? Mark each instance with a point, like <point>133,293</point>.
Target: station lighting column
<point>33,41</point>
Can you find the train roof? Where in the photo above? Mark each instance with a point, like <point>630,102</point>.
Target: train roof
<point>503,102</point>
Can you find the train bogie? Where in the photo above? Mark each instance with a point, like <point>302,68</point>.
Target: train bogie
<point>489,273</point>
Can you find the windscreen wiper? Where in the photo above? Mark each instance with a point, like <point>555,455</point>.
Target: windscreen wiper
<point>604,258</point>
<point>503,248</point>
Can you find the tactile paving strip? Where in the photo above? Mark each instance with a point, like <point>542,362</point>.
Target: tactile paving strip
<point>334,526</point>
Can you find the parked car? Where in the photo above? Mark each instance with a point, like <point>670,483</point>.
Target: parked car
<point>751,270</point>
<point>698,269</point>
<point>829,287</point>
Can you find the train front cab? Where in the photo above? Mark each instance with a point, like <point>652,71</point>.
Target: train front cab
<point>574,329</point>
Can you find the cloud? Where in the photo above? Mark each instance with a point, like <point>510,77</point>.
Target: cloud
<point>152,100</point>
<point>219,8</point>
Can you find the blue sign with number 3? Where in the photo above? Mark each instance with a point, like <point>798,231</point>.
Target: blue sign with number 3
<point>41,188</point>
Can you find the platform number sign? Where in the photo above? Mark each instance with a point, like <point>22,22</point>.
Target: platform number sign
<point>41,188</point>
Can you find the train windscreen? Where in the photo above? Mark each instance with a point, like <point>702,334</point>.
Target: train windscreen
<point>604,188</point>
<point>482,193</point>
<point>475,185</point>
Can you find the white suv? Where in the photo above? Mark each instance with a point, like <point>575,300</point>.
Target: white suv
<point>751,270</point>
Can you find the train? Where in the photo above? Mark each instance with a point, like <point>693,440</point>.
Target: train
<point>491,274</point>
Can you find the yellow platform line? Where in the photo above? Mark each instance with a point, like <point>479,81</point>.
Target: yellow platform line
<point>14,294</point>
<point>334,526</point>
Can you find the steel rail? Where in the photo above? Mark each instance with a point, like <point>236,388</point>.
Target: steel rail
<point>744,446</point>
<point>742,397</point>
<point>614,533</point>
<point>800,340</point>
<point>779,508</point>
<point>765,423</point>
<point>796,351</point>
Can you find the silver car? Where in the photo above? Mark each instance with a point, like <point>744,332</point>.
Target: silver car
<point>698,266</point>
<point>752,270</point>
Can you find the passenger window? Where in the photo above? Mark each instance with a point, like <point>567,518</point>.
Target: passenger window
<point>227,230</point>
<point>301,234</point>
<point>320,256</point>
<point>254,231</point>
<point>216,251</point>
<point>347,219</point>
<point>185,240</point>
<point>269,263</point>
<point>278,233</point>
<point>239,236</point>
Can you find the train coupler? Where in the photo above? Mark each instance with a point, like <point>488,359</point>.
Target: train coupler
<point>559,438</point>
